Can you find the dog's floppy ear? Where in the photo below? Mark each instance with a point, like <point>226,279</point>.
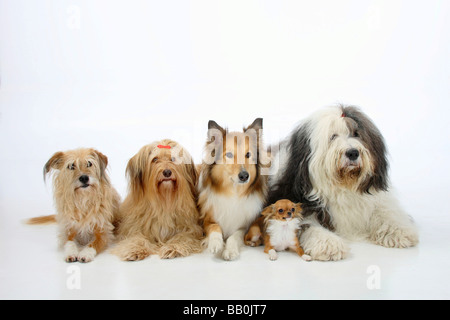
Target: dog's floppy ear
<point>55,162</point>
<point>103,161</point>
<point>192,176</point>
<point>135,173</point>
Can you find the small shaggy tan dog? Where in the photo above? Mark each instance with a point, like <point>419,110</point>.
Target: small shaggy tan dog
<point>160,215</point>
<point>85,201</point>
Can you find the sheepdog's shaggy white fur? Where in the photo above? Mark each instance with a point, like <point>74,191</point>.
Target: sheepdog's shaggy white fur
<point>335,163</point>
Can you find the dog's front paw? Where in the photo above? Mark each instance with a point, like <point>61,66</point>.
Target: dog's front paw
<point>395,237</point>
<point>306,257</point>
<point>273,255</point>
<point>255,241</point>
<point>230,254</point>
<point>70,251</point>
<point>169,251</point>
<point>232,247</point>
<point>71,258</point>
<point>215,242</point>
<point>321,244</point>
<point>87,255</point>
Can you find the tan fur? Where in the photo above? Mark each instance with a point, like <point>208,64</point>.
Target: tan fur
<point>85,210</point>
<point>257,233</point>
<point>160,215</point>
<point>232,153</point>
<point>42,220</point>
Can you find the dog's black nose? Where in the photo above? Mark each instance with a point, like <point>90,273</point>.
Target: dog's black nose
<point>243,176</point>
<point>289,214</point>
<point>167,173</point>
<point>352,154</point>
<point>84,179</point>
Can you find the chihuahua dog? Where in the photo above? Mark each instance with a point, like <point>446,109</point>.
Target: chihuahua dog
<point>278,229</point>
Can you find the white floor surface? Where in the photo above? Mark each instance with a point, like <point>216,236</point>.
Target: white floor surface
<point>31,267</point>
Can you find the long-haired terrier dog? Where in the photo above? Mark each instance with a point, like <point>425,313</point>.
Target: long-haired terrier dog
<point>232,188</point>
<point>278,229</point>
<point>335,163</point>
<point>160,215</point>
<point>86,203</point>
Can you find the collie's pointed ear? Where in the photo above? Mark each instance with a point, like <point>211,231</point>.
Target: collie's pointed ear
<point>214,125</point>
<point>55,162</point>
<point>215,131</point>
<point>256,125</point>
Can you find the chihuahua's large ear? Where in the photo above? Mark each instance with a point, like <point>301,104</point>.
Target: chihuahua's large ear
<point>55,162</point>
<point>267,210</point>
<point>298,209</point>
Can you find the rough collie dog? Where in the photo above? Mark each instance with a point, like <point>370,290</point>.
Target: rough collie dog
<point>335,164</point>
<point>278,229</point>
<point>86,203</point>
<point>232,189</point>
<point>160,215</point>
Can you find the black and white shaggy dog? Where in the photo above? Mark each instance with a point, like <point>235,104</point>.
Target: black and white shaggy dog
<point>335,163</point>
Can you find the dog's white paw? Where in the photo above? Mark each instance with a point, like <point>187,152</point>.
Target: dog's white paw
<point>70,251</point>
<point>395,237</point>
<point>321,244</point>
<point>215,242</point>
<point>87,255</point>
<point>306,257</point>
<point>230,254</point>
<point>273,255</point>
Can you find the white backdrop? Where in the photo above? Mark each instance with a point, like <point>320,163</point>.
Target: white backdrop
<point>116,75</point>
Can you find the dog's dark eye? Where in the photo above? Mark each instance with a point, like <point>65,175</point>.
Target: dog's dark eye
<point>71,166</point>
<point>356,134</point>
<point>89,164</point>
<point>229,155</point>
<point>293,209</point>
<point>281,211</point>
<point>334,136</point>
<point>155,159</point>
<point>248,155</point>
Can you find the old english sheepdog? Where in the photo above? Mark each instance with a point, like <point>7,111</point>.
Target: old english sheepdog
<point>335,163</point>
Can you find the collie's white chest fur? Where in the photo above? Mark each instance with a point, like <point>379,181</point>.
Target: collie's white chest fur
<point>234,212</point>
<point>283,233</point>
